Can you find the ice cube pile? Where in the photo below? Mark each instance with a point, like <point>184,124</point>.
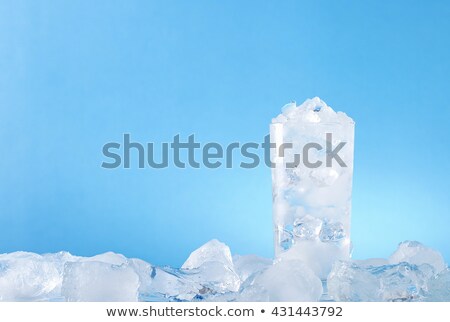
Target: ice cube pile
<point>312,196</point>
<point>413,273</point>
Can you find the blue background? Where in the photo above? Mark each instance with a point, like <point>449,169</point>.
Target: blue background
<point>75,75</point>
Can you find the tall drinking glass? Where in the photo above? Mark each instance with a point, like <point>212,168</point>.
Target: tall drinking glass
<point>312,155</point>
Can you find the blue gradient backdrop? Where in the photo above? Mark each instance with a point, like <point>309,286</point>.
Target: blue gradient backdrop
<point>77,74</point>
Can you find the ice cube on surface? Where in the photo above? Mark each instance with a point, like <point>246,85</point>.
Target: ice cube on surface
<point>214,276</point>
<point>94,281</point>
<point>144,271</point>
<point>289,280</point>
<point>31,277</point>
<point>169,284</point>
<point>208,272</point>
<point>212,251</point>
<point>249,265</point>
<point>416,253</point>
<point>439,287</point>
<point>350,281</point>
<point>211,265</point>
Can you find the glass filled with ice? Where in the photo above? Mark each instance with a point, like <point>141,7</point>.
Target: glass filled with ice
<point>312,169</point>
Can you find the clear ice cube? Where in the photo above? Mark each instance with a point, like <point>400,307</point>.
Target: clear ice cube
<point>332,232</point>
<point>212,266</point>
<point>307,227</point>
<point>31,277</point>
<point>350,281</point>
<point>289,280</point>
<point>416,253</point>
<point>247,266</point>
<point>169,284</point>
<point>439,287</point>
<point>93,281</point>
<point>212,251</point>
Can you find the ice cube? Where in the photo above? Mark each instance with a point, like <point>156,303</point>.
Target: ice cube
<point>94,281</point>
<point>31,277</point>
<point>212,251</point>
<point>211,265</point>
<point>215,276</point>
<point>108,257</point>
<point>289,280</point>
<point>332,232</point>
<point>439,287</point>
<point>307,227</point>
<point>349,281</point>
<point>286,239</point>
<point>171,284</point>
<point>249,265</point>
<point>207,273</point>
<point>144,271</point>
<point>416,253</point>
